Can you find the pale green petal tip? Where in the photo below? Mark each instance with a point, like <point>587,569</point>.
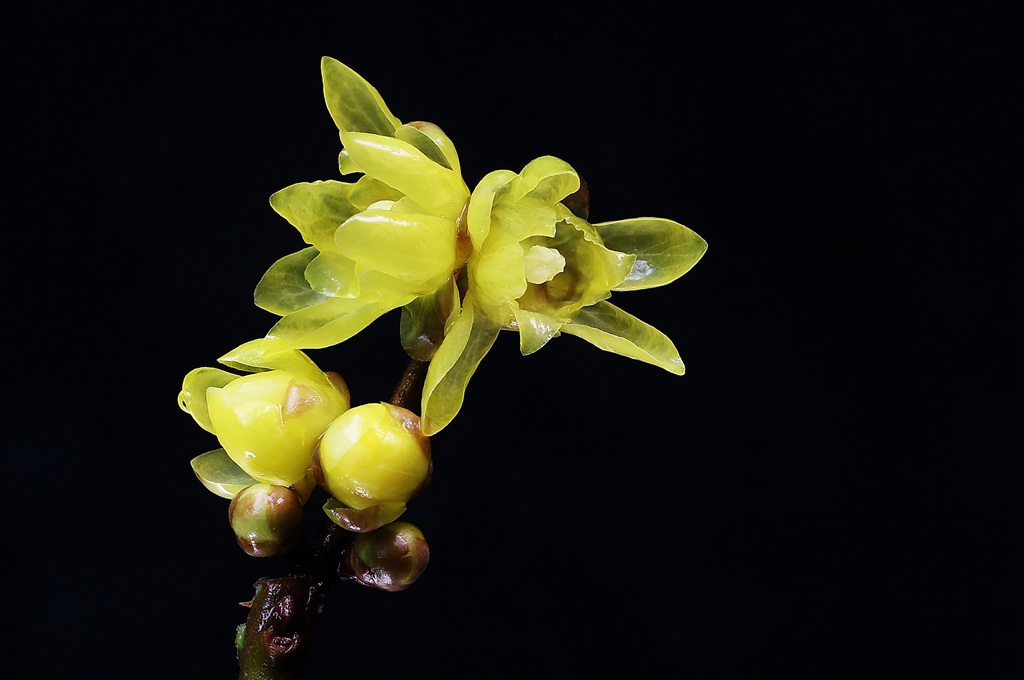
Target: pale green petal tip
<point>611,329</point>
<point>664,249</point>
<point>353,103</point>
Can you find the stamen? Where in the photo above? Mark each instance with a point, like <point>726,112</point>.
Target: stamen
<point>542,264</point>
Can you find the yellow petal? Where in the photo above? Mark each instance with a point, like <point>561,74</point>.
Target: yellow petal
<point>404,167</point>
<point>468,341</point>
<point>609,328</point>
<point>416,248</point>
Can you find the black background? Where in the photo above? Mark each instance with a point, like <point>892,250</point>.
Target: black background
<point>833,488</point>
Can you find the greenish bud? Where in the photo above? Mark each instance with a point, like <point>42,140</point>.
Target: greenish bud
<point>266,519</point>
<point>390,558</point>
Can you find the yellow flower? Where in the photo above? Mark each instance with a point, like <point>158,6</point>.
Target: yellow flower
<point>375,244</point>
<point>539,269</point>
<point>268,422</point>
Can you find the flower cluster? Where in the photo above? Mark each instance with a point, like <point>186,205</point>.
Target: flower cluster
<point>517,253</point>
<point>511,255</point>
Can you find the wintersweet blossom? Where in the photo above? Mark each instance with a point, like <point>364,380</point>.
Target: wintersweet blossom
<point>541,270</point>
<point>375,244</point>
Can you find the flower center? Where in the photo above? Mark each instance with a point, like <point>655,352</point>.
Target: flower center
<point>542,264</point>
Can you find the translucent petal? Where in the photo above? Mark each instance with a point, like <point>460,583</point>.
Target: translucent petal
<point>332,321</point>
<point>432,141</point>
<point>535,329</point>
<point>373,283</point>
<point>426,319</point>
<point>331,275</point>
<point>547,179</point>
<point>283,288</point>
<point>601,269</point>
<point>192,398</point>
<point>665,250</point>
<point>219,474</point>
<point>497,276</point>
<point>479,214</point>
<point>355,105</point>
<point>468,341</point>
<point>316,209</point>
<point>346,165</point>
<point>606,326</point>
<point>369,190</point>
<point>413,247</point>
<point>254,356</point>
<point>407,169</point>
<point>518,220</point>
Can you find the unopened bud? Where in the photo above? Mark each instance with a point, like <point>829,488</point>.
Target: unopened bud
<point>266,519</point>
<point>390,558</point>
<point>269,422</point>
<point>374,454</point>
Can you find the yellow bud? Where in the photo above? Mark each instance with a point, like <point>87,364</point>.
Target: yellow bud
<point>269,422</point>
<point>373,454</point>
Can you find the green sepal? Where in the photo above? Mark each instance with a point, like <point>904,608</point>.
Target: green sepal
<point>609,328</point>
<point>318,208</point>
<point>426,320</point>
<point>354,104</point>
<point>331,275</point>
<point>432,141</point>
<point>366,519</point>
<point>664,249</point>
<point>283,289</point>
<point>219,474</point>
<point>331,322</point>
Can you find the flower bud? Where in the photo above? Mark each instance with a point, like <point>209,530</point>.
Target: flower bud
<point>374,454</point>
<point>266,519</point>
<point>390,558</point>
<point>269,422</point>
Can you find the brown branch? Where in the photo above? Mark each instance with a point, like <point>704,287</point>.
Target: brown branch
<point>279,627</point>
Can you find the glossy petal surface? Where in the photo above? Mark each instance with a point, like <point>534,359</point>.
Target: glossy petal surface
<point>192,398</point>
<point>370,456</point>
<point>405,168</point>
<point>419,248</point>
<point>318,208</point>
<point>432,141</point>
<point>606,326</point>
<point>219,474</point>
<point>664,249</point>
<point>269,422</point>
<point>331,322</point>
<point>468,341</point>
